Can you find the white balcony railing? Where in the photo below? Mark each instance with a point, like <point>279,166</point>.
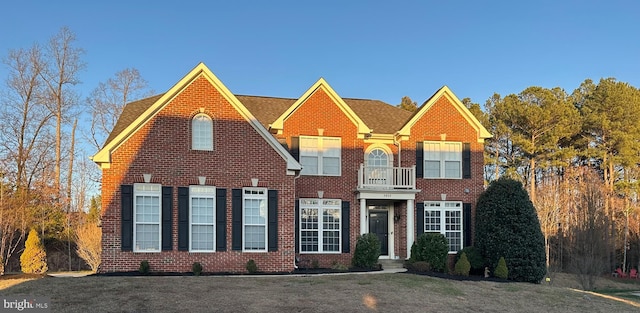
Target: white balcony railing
<point>370,177</point>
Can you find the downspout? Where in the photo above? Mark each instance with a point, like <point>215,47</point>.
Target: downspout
<point>295,258</point>
<point>399,145</point>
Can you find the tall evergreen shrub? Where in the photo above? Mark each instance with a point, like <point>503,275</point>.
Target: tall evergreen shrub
<point>507,225</point>
<point>34,258</point>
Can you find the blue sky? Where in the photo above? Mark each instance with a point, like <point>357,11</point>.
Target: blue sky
<point>364,49</point>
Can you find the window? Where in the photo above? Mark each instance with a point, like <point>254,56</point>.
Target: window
<point>445,217</point>
<point>442,159</point>
<point>377,158</point>
<point>320,155</point>
<point>320,225</point>
<point>146,218</point>
<point>202,212</point>
<point>254,219</point>
<point>202,132</point>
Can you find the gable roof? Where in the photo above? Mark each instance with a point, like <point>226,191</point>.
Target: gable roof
<point>140,112</point>
<point>321,84</point>
<point>483,133</point>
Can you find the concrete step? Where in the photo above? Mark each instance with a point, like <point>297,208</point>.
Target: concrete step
<point>391,263</point>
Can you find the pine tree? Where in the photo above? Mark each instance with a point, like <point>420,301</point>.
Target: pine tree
<point>34,258</point>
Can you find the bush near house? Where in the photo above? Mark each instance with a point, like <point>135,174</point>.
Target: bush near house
<point>475,259</point>
<point>432,248</point>
<point>367,252</point>
<point>34,258</point>
<point>501,270</point>
<point>462,266</point>
<point>252,267</point>
<point>507,226</point>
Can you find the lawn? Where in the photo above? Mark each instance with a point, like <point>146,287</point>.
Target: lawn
<point>343,293</point>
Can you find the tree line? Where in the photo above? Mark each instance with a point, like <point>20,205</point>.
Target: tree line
<point>48,130</point>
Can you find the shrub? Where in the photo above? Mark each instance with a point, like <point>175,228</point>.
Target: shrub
<point>475,259</point>
<point>339,266</point>
<point>501,270</point>
<point>507,226</point>
<point>144,267</point>
<point>89,244</point>
<point>367,251</point>
<point>315,263</point>
<point>414,252</point>
<point>196,268</point>
<point>420,266</point>
<point>252,267</point>
<point>463,266</point>
<point>433,249</point>
<point>34,258</point>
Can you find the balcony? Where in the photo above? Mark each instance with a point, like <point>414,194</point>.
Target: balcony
<point>386,178</point>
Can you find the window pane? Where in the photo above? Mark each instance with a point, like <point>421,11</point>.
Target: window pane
<point>330,166</point>
<point>202,132</point>
<point>377,158</point>
<point>431,169</point>
<point>431,221</point>
<point>308,146</point>
<point>147,237</point>
<point>309,165</point>
<point>432,151</point>
<point>147,209</point>
<point>254,237</point>
<point>202,237</point>
<point>331,241</point>
<point>202,210</point>
<point>331,147</point>
<point>255,211</point>
<point>452,169</point>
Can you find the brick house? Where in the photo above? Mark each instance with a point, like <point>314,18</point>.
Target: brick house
<point>198,174</point>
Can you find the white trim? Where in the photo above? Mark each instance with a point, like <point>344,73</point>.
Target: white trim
<point>203,192</point>
<point>262,194</point>
<point>318,152</point>
<point>147,190</point>
<point>442,153</point>
<point>103,157</point>
<point>321,205</point>
<point>443,207</point>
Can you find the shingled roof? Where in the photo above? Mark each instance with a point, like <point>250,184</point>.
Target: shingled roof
<point>383,118</point>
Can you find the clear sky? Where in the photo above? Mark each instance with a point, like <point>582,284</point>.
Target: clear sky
<point>364,49</point>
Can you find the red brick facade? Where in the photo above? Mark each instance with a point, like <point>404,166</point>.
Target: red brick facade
<point>162,147</point>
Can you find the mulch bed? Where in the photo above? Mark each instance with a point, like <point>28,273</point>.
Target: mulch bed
<point>458,277</point>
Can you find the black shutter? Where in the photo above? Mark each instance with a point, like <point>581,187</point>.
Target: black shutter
<point>236,219</point>
<point>466,226</point>
<point>346,227</point>
<point>183,218</point>
<point>295,148</point>
<point>272,229</point>
<point>126,215</point>
<point>466,160</point>
<point>297,217</point>
<point>419,219</point>
<point>419,159</point>
<point>221,219</point>
<point>167,216</point>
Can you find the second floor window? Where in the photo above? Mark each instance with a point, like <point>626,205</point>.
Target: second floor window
<point>442,159</point>
<point>320,155</point>
<point>202,133</point>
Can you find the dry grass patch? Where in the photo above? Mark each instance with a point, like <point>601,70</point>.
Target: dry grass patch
<point>344,293</point>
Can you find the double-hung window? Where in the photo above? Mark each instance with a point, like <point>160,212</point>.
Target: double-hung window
<point>146,217</point>
<point>442,159</point>
<point>445,217</point>
<point>202,132</point>
<point>320,155</point>
<point>320,225</point>
<point>254,207</point>
<point>202,211</point>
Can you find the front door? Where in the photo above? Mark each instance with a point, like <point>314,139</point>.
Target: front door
<point>379,225</point>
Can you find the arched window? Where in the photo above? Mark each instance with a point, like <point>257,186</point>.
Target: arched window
<point>202,133</point>
<point>377,158</point>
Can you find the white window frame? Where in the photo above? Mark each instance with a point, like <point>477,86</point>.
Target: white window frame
<point>255,194</point>
<point>146,190</point>
<point>445,152</point>
<point>202,192</point>
<point>321,205</point>
<point>326,147</point>
<point>441,223</point>
<point>202,132</point>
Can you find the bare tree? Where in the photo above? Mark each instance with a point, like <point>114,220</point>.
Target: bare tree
<point>588,226</point>
<point>108,100</point>
<point>60,74</point>
<point>89,244</point>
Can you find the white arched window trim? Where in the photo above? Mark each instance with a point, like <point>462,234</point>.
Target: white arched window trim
<point>202,132</point>
<point>382,147</point>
